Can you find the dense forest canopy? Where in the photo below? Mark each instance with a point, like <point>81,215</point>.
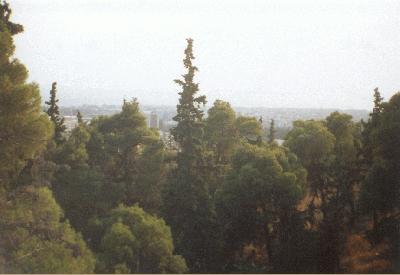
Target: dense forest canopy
<point>111,197</point>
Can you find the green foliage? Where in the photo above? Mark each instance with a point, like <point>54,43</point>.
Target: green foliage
<point>150,179</point>
<point>221,137</point>
<point>380,191</point>
<point>272,132</point>
<point>329,150</point>
<point>33,238</point>
<point>24,129</point>
<point>249,128</point>
<point>234,203</point>
<point>312,142</point>
<point>187,205</point>
<point>258,197</point>
<point>54,114</point>
<point>113,160</point>
<point>117,141</point>
<point>189,131</point>
<point>130,154</point>
<point>83,195</point>
<point>377,102</point>
<point>5,23</point>
<point>347,136</point>
<point>220,131</point>
<point>73,152</point>
<point>137,242</point>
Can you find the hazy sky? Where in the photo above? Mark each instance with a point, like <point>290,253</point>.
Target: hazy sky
<point>280,53</point>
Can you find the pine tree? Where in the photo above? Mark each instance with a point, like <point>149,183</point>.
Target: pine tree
<point>220,131</point>
<point>128,245</point>
<point>24,128</point>
<point>187,205</point>
<point>5,13</point>
<point>272,131</point>
<point>34,236</point>
<point>54,113</point>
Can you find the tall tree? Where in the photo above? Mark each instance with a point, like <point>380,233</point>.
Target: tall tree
<point>380,192</point>
<point>188,208</point>
<point>329,150</point>
<point>24,128</point>
<point>377,101</point>
<point>189,130</point>
<point>34,236</point>
<point>314,145</point>
<point>272,131</point>
<point>256,206</point>
<point>54,114</point>
<point>113,160</point>
<point>129,154</point>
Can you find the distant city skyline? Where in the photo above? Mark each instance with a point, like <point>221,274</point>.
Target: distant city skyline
<point>256,53</point>
<point>163,115</point>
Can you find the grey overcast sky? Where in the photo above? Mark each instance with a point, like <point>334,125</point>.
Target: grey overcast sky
<point>272,53</point>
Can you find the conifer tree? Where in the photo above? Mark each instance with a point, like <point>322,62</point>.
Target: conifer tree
<point>380,191</point>
<point>34,236</point>
<point>188,132</point>
<point>377,101</point>
<point>5,13</point>
<point>272,131</point>
<point>187,205</point>
<point>54,113</point>
<point>24,128</point>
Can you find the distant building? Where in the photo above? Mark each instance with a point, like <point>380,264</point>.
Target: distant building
<point>154,120</point>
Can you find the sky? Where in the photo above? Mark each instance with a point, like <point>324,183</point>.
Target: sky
<point>252,53</point>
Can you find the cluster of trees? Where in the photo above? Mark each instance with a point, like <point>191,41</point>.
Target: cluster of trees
<point>110,197</point>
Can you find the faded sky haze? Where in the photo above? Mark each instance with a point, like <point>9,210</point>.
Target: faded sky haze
<point>271,53</point>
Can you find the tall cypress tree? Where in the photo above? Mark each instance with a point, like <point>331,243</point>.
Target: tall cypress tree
<point>377,101</point>
<point>188,208</point>
<point>54,112</point>
<point>272,131</point>
<point>188,132</point>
